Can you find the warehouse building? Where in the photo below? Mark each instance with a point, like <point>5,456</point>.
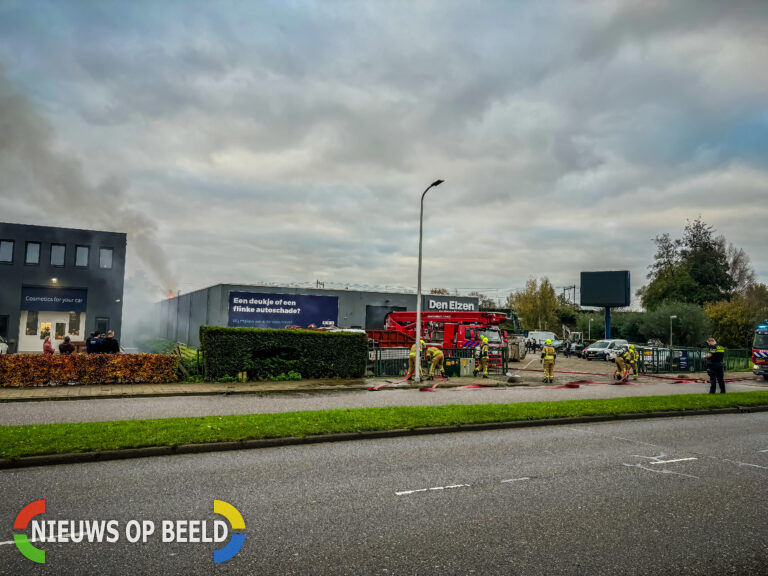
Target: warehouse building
<point>239,305</point>
<point>58,282</point>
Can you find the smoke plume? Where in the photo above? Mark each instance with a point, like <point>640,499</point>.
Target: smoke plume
<point>32,169</point>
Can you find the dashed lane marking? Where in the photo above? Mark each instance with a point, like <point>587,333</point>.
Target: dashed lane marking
<point>407,492</point>
<point>516,479</point>
<point>670,461</point>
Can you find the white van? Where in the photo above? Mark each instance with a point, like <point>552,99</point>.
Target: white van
<point>540,336</point>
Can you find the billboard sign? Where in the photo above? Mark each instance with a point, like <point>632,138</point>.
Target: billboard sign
<point>54,299</point>
<point>257,310</point>
<point>605,289</point>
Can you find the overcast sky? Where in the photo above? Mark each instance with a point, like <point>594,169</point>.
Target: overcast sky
<point>290,142</point>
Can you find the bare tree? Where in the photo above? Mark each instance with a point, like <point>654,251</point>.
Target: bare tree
<point>739,265</point>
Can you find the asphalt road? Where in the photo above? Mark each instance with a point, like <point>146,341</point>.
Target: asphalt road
<point>19,413</point>
<point>673,496</point>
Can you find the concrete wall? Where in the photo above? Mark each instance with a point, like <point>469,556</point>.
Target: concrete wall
<point>104,286</point>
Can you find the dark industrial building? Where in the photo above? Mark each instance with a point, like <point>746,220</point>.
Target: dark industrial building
<point>59,281</point>
<point>180,318</point>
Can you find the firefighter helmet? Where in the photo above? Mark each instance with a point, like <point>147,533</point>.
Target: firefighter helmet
<point>548,342</point>
<point>485,340</point>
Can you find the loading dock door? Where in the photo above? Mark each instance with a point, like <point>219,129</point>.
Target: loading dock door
<point>375,315</point>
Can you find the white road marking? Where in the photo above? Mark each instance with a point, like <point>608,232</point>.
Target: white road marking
<point>745,464</point>
<point>763,450</point>
<point>406,492</point>
<point>516,479</point>
<point>664,471</point>
<point>675,460</point>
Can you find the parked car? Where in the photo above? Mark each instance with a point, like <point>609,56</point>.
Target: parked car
<point>3,346</point>
<point>603,349</point>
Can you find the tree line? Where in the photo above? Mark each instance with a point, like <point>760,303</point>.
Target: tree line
<point>703,280</point>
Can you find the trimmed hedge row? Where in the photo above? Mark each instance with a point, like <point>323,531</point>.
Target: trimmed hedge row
<point>36,369</point>
<point>266,353</point>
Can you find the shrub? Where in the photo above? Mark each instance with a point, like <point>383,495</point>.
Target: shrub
<point>266,353</point>
<point>36,369</point>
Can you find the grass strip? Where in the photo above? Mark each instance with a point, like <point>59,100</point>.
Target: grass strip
<point>18,441</point>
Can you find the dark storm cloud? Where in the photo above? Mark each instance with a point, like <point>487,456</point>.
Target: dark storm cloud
<point>292,140</point>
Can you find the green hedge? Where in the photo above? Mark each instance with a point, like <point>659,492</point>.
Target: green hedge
<point>266,353</point>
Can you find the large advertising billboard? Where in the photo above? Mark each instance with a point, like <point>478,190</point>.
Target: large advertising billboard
<point>257,310</point>
<point>605,289</point>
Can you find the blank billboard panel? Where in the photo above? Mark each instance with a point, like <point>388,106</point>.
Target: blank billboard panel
<point>605,289</point>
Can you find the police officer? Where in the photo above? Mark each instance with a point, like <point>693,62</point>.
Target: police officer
<point>415,349</point>
<point>436,358</point>
<point>483,358</point>
<point>548,355</point>
<point>716,367</point>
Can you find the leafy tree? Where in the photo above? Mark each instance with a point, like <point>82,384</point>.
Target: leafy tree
<point>734,322</point>
<point>694,269</point>
<point>691,327</point>
<point>536,305</point>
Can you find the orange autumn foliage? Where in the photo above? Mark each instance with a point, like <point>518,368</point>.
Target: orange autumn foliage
<point>37,369</point>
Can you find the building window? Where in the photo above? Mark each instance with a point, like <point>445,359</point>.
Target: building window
<point>6,251</point>
<point>105,258</point>
<point>81,256</point>
<point>33,254</point>
<point>74,323</point>
<point>31,323</point>
<point>4,326</point>
<point>58,253</point>
<point>102,325</point>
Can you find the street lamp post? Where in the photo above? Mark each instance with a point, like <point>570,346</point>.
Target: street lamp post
<point>670,329</point>
<point>590,328</point>
<point>417,376</point>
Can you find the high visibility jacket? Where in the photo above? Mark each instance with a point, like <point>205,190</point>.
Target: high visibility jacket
<point>414,350</point>
<point>548,353</point>
<point>635,355</point>
<point>628,357</point>
<point>484,351</point>
<point>433,353</point>
<point>716,355</point>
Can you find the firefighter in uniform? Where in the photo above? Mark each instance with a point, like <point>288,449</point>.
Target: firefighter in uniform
<point>623,359</point>
<point>415,349</point>
<point>483,359</point>
<point>634,360</point>
<point>548,355</point>
<point>716,366</point>
<point>436,358</point>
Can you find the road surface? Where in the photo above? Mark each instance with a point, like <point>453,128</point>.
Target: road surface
<point>673,496</point>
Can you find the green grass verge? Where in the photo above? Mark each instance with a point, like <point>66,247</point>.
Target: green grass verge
<point>18,441</point>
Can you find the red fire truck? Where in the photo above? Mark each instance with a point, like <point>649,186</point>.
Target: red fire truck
<point>760,350</point>
<point>445,330</point>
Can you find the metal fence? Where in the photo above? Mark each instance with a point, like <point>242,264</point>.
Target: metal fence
<point>383,362</point>
<point>663,360</point>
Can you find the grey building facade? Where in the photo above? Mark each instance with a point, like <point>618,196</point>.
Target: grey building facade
<point>180,318</point>
<point>59,281</point>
